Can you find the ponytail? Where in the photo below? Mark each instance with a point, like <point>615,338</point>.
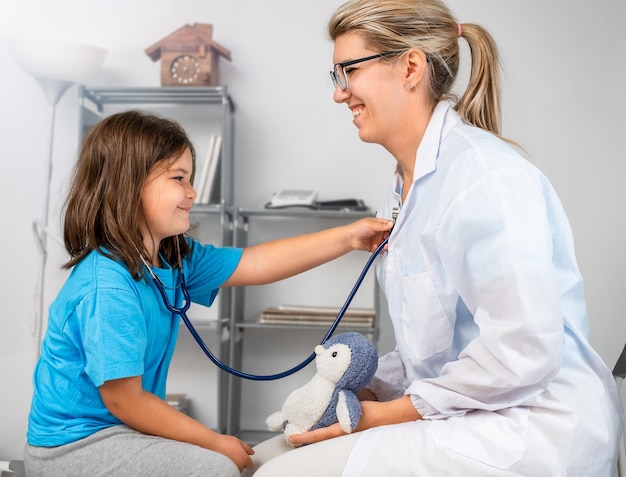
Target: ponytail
<point>480,104</point>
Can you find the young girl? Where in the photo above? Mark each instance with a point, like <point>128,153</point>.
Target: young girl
<point>493,373</point>
<point>98,407</point>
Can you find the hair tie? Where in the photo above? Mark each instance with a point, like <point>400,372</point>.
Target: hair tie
<point>458,30</point>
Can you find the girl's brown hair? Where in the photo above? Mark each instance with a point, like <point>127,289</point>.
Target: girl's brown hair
<point>103,208</point>
<point>428,25</point>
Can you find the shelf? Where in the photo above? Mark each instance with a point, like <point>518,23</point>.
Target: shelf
<point>212,209</point>
<point>371,331</point>
<point>159,95</point>
<point>305,213</point>
<point>206,209</point>
<point>325,326</point>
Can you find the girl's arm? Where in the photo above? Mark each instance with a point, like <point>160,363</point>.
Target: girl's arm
<point>272,261</point>
<point>143,411</point>
<point>374,414</point>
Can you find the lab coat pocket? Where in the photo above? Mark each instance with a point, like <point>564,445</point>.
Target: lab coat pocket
<point>474,435</point>
<point>426,327</point>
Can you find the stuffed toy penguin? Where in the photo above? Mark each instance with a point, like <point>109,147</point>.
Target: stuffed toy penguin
<point>345,364</point>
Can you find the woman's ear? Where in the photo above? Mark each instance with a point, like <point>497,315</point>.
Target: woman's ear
<point>415,66</point>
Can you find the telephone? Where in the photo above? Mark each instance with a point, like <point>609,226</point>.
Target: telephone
<point>293,198</point>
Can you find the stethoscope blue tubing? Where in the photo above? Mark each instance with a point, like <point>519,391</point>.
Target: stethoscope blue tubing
<point>182,312</point>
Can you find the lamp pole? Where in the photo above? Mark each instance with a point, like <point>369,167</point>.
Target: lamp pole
<point>56,65</point>
<point>40,229</point>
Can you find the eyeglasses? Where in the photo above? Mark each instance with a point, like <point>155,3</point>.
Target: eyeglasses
<point>339,74</point>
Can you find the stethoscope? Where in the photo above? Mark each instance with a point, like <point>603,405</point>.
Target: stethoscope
<point>182,312</point>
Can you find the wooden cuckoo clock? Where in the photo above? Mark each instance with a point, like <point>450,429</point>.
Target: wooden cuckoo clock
<point>189,56</point>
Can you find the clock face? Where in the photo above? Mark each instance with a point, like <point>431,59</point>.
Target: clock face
<point>185,69</point>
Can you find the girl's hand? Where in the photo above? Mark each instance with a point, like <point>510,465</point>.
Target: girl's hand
<point>236,450</point>
<point>367,234</point>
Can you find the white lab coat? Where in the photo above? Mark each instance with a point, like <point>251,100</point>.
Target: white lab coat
<point>490,323</point>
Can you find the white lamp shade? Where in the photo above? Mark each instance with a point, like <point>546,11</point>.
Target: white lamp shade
<point>56,64</point>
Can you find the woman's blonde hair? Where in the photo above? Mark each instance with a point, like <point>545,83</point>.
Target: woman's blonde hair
<point>428,25</point>
<point>103,208</point>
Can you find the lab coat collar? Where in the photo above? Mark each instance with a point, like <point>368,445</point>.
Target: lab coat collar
<point>444,118</point>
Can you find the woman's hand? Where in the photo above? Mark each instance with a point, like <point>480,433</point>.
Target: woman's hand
<point>374,414</point>
<point>317,435</point>
<point>334,430</point>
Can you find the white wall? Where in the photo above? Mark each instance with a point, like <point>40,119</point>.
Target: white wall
<point>564,101</point>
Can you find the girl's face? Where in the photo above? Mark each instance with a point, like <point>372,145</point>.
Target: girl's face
<point>375,93</point>
<point>166,198</point>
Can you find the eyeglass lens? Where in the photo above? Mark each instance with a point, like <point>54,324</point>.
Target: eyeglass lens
<point>338,76</point>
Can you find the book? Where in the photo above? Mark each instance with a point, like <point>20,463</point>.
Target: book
<point>317,315</point>
<point>211,173</point>
<point>320,310</point>
<point>301,322</point>
<point>202,170</point>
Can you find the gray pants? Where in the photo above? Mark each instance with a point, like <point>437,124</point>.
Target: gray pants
<point>120,451</point>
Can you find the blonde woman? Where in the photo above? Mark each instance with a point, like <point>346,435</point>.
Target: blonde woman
<point>493,373</point>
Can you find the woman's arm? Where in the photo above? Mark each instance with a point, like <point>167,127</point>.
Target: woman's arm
<point>143,411</point>
<point>374,414</point>
<point>272,261</point>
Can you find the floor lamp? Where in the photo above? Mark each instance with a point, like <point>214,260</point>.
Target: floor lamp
<point>56,65</point>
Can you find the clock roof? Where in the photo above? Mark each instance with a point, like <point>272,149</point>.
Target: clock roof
<point>198,33</point>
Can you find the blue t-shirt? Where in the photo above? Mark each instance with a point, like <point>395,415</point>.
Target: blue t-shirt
<point>105,325</point>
